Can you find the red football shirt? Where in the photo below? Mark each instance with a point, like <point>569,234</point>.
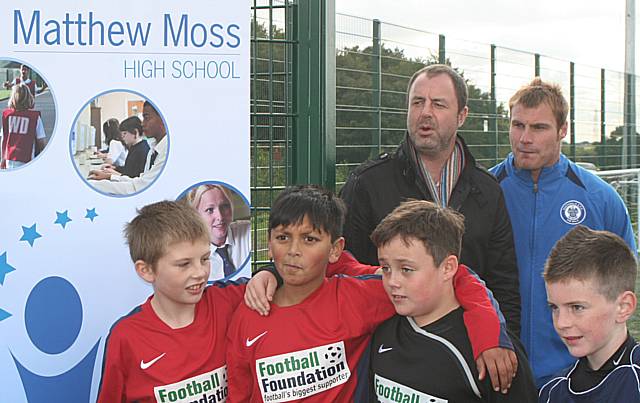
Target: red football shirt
<point>147,361</point>
<point>310,350</point>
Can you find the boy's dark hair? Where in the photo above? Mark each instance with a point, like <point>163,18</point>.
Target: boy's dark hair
<point>325,210</point>
<point>585,254</point>
<point>440,229</point>
<point>158,225</point>
<point>131,124</point>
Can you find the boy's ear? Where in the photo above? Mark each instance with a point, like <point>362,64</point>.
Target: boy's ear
<point>145,271</point>
<point>450,267</point>
<point>269,255</point>
<point>626,302</point>
<point>336,250</point>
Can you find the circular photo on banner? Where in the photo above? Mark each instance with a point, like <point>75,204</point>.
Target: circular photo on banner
<point>28,115</point>
<point>119,143</point>
<point>227,214</point>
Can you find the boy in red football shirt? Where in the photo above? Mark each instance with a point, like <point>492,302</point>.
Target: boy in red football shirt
<point>311,344</point>
<point>171,348</point>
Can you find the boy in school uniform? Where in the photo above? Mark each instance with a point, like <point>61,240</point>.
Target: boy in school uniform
<point>310,346</point>
<point>171,348</point>
<point>590,279</point>
<point>424,353</point>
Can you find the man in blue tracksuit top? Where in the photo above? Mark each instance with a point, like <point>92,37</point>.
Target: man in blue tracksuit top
<point>546,196</point>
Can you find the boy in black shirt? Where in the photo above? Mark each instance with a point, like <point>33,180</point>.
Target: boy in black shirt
<point>423,353</point>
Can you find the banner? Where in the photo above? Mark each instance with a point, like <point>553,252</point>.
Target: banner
<point>109,106</point>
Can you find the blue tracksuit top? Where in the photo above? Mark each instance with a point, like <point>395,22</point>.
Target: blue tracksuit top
<point>565,195</point>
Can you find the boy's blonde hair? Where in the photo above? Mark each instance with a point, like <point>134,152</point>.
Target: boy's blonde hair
<point>161,224</point>
<point>585,254</point>
<point>439,229</point>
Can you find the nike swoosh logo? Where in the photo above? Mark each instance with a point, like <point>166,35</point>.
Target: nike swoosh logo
<point>616,362</point>
<point>145,365</point>
<point>381,349</point>
<point>251,341</point>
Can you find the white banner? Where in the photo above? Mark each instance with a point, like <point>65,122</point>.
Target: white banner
<point>65,272</point>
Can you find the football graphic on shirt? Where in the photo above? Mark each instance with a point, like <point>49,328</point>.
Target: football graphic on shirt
<point>333,354</point>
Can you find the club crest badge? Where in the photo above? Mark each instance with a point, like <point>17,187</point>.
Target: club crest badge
<point>573,212</point>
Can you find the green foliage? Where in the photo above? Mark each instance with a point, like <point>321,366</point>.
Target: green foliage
<point>369,123</point>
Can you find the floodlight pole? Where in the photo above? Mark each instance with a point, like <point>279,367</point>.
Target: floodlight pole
<point>629,140</point>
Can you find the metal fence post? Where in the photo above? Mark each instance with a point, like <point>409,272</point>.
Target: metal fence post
<point>536,65</point>
<point>493,122</point>
<point>572,108</point>
<point>637,207</point>
<point>603,128</point>
<point>376,86</point>
<point>442,55</point>
<point>314,137</point>
<point>630,116</point>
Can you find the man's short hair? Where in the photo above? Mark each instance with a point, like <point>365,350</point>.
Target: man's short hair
<point>459,85</point>
<point>325,211</point>
<point>538,92</point>
<point>585,254</point>
<point>158,225</point>
<point>440,229</point>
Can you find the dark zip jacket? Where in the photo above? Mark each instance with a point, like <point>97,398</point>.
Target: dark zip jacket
<point>376,187</point>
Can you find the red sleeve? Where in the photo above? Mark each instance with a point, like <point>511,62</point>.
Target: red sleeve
<point>239,375</point>
<point>233,291</point>
<point>112,384</point>
<point>365,300</point>
<point>347,264</point>
<point>480,318</point>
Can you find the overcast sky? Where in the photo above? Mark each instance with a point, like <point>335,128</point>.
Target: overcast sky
<point>584,31</point>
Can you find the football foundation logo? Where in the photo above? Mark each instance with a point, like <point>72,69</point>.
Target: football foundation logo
<point>210,387</point>
<point>573,212</point>
<point>295,375</point>
<point>388,391</point>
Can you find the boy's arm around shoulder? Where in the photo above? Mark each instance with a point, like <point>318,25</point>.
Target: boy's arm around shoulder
<point>229,292</point>
<point>348,265</point>
<point>491,345</point>
<point>482,317</point>
<point>262,286</point>
<point>363,301</point>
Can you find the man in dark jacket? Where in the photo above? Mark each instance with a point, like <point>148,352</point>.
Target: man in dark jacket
<point>433,163</point>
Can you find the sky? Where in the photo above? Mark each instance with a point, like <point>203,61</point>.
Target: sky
<point>586,32</point>
<point>589,33</point>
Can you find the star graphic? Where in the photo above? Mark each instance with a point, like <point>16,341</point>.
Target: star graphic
<point>5,268</point>
<point>91,214</point>
<point>62,218</point>
<point>30,234</point>
<point>4,315</point>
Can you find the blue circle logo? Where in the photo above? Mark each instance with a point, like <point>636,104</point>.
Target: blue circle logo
<point>53,315</point>
<point>573,212</point>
